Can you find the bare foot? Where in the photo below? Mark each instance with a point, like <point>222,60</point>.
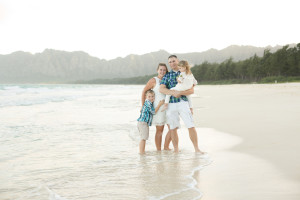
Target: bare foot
<point>201,153</point>
<point>167,149</point>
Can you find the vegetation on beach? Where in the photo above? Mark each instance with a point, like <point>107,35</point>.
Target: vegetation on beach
<point>280,66</point>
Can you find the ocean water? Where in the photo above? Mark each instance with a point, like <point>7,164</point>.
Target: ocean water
<point>71,142</point>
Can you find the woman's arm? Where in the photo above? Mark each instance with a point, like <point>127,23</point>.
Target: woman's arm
<point>150,85</point>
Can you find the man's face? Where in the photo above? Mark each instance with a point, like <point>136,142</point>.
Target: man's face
<point>173,62</point>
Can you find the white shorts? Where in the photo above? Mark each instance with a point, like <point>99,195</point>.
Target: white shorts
<point>181,109</point>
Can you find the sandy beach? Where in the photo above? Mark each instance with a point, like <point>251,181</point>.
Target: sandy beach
<point>265,164</point>
<point>56,144</point>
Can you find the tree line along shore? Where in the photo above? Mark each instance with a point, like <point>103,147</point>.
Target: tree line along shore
<point>280,66</point>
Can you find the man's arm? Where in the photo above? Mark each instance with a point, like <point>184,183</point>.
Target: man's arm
<point>187,92</point>
<point>178,94</point>
<point>163,89</point>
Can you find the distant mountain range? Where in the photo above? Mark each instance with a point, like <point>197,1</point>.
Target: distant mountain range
<point>54,66</point>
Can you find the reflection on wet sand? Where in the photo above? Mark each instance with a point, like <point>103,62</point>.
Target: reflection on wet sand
<point>166,175</point>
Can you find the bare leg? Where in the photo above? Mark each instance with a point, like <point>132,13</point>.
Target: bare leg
<point>174,137</point>
<point>158,137</point>
<point>168,140</point>
<point>142,146</point>
<point>194,139</point>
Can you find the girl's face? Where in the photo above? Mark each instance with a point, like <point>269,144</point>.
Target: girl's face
<point>161,71</point>
<point>182,69</point>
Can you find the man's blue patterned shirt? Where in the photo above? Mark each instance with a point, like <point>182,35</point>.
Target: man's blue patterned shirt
<point>170,81</point>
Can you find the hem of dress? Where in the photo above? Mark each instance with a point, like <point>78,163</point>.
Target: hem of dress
<point>158,124</point>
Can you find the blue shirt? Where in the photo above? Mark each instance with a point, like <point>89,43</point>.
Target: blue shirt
<point>147,112</point>
<point>170,81</point>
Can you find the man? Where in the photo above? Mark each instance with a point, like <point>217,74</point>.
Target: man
<point>178,105</point>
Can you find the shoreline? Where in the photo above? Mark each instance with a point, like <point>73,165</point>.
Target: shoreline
<point>143,82</point>
<point>265,117</point>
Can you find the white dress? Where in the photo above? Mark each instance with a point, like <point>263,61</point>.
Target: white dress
<point>159,119</point>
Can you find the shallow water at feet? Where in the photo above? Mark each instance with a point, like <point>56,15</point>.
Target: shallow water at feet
<point>80,142</point>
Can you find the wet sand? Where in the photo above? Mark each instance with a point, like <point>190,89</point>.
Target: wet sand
<point>266,163</point>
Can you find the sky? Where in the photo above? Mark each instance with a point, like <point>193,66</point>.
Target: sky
<point>116,28</point>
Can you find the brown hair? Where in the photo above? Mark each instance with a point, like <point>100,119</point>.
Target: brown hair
<point>172,56</point>
<point>162,64</point>
<point>185,64</point>
<point>149,91</point>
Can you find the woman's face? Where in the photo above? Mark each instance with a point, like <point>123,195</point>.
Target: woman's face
<point>162,70</point>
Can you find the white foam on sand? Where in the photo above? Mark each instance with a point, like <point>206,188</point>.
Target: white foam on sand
<point>54,196</point>
<point>210,141</point>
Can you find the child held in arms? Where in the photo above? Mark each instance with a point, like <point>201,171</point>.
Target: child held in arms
<point>185,80</point>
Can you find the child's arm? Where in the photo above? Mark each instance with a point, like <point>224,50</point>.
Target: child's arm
<point>180,80</point>
<point>159,105</point>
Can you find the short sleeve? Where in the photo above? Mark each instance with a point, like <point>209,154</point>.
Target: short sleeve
<point>150,107</point>
<point>188,81</point>
<point>195,82</point>
<point>180,79</point>
<point>164,80</point>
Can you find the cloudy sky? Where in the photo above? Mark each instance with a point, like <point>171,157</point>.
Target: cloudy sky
<point>115,28</point>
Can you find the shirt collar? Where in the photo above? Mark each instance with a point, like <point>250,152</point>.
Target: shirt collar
<point>177,72</point>
<point>148,100</point>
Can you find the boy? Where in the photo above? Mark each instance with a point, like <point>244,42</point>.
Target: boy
<point>145,119</point>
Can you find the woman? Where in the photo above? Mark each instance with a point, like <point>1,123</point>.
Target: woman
<point>159,119</point>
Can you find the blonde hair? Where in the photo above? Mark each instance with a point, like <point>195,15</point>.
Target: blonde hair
<point>185,64</point>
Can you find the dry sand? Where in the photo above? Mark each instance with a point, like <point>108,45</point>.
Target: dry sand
<point>266,164</point>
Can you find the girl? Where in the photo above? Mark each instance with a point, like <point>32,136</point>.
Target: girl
<point>185,81</point>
